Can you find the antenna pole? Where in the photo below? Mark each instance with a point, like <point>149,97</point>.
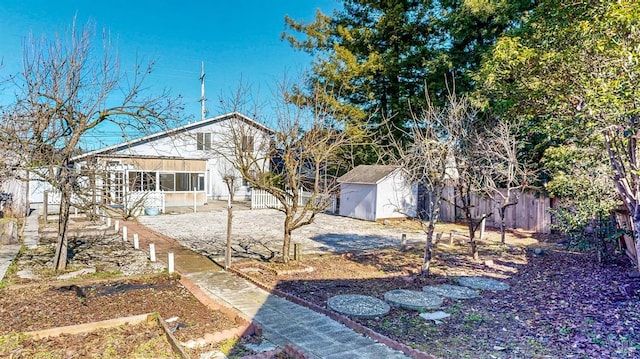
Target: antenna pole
<point>202,99</point>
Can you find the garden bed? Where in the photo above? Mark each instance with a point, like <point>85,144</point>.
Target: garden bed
<point>38,306</point>
<point>560,304</point>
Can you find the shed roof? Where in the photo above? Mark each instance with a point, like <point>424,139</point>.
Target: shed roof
<point>367,174</point>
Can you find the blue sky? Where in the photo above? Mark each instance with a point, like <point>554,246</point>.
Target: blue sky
<point>237,40</point>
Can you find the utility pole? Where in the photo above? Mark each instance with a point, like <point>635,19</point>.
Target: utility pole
<point>202,98</point>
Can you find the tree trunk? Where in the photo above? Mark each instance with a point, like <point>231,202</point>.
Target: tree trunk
<point>60,260</point>
<point>474,249</point>
<point>503,225</point>
<point>286,242</point>
<point>227,253</point>
<point>636,235</point>
<point>426,263</point>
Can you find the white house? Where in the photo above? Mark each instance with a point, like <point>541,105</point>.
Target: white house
<point>376,193</point>
<point>185,164</point>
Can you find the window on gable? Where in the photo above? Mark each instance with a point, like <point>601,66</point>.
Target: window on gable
<point>247,143</point>
<point>203,141</point>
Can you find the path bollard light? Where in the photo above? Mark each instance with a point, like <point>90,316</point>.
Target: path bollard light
<point>450,238</point>
<point>124,233</point>
<point>136,241</point>
<point>403,242</point>
<point>116,226</point>
<point>152,252</point>
<point>171,264</point>
<point>108,221</point>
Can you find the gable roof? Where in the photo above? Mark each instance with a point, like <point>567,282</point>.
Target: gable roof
<point>175,131</point>
<point>367,174</point>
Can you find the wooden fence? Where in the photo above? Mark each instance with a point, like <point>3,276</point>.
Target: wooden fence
<point>531,213</point>
<point>261,199</point>
<point>18,199</point>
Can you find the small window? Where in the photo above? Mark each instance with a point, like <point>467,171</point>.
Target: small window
<point>203,141</point>
<point>247,143</point>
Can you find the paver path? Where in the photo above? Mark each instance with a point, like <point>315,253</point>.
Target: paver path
<point>282,321</point>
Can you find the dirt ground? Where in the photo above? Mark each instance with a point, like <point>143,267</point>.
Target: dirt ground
<point>51,304</point>
<point>561,304</point>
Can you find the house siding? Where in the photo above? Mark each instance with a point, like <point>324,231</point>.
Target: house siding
<point>396,198</point>
<point>184,145</point>
<point>358,201</point>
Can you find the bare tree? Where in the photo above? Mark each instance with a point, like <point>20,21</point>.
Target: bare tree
<point>466,152</point>
<point>230,179</point>
<point>428,162</point>
<point>69,88</point>
<point>505,173</point>
<point>297,164</point>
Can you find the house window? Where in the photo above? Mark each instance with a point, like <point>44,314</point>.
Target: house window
<point>247,143</point>
<point>167,182</point>
<point>142,181</point>
<point>182,182</point>
<point>187,181</point>
<point>203,141</point>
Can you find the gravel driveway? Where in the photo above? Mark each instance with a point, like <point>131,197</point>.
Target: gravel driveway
<point>258,233</point>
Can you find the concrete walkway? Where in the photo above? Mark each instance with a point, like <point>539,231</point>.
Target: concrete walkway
<point>8,252</point>
<point>282,321</point>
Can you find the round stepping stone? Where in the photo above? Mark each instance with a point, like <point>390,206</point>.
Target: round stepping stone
<point>482,283</point>
<point>451,291</point>
<point>356,305</point>
<point>413,299</point>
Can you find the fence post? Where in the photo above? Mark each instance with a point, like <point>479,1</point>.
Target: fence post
<point>45,206</point>
<point>171,264</point>
<point>296,251</point>
<point>152,252</point>
<point>136,241</point>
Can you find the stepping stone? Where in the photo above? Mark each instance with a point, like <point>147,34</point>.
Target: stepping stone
<point>451,291</point>
<point>435,316</point>
<point>77,273</point>
<point>27,274</point>
<point>356,305</point>
<point>413,299</point>
<point>482,283</point>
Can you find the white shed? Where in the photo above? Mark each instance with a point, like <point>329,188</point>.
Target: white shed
<point>375,193</point>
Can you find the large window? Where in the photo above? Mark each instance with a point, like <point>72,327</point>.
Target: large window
<point>187,181</point>
<point>203,141</point>
<point>142,181</point>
